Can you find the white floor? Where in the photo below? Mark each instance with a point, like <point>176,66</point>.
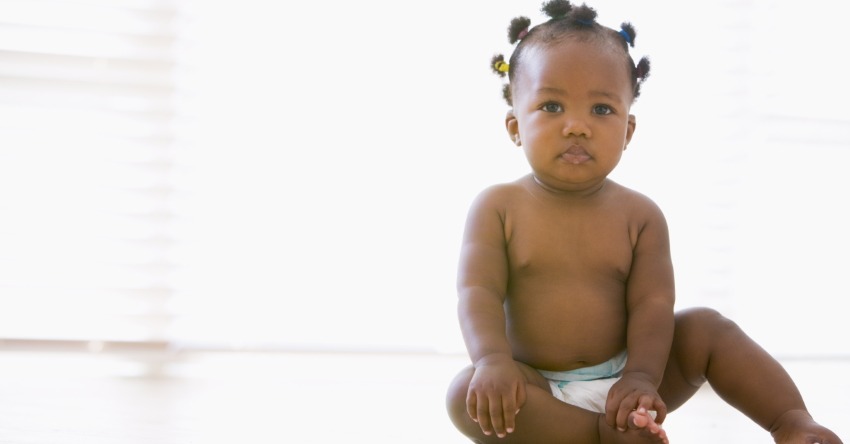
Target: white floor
<point>303,398</point>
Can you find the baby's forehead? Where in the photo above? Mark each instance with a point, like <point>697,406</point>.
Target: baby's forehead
<point>590,63</point>
<point>596,35</point>
<point>590,40</point>
<point>574,54</point>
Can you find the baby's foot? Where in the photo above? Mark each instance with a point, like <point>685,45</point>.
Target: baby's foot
<point>642,429</point>
<point>798,427</point>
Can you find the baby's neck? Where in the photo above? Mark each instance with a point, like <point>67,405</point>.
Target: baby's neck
<point>583,192</point>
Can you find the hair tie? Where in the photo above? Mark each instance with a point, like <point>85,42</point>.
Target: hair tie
<point>585,22</point>
<point>518,29</point>
<point>499,66</point>
<point>627,31</point>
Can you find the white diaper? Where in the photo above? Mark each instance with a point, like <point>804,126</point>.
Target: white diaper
<point>587,387</point>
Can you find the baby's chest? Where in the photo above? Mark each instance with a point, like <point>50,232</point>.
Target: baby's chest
<point>599,247</point>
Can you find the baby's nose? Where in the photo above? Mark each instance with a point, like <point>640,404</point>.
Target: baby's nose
<point>575,126</point>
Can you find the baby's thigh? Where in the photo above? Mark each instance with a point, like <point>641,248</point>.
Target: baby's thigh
<point>689,354</point>
<point>675,389</point>
<point>542,419</point>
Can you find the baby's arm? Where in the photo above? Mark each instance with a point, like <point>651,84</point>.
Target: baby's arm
<point>649,298</point>
<point>497,389</point>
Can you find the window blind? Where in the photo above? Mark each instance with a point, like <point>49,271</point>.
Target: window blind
<point>87,116</point>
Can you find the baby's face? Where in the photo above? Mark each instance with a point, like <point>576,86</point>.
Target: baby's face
<point>571,112</point>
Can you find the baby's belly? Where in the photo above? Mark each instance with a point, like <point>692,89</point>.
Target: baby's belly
<point>563,332</point>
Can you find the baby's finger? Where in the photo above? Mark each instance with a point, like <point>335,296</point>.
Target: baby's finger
<point>624,409</point>
<point>509,410</point>
<point>520,396</point>
<point>520,401</point>
<point>660,409</point>
<point>483,415</point>
<point>472,405</point>
<point>497,416</point>
<point>654,405</point>
<point>612,408</point>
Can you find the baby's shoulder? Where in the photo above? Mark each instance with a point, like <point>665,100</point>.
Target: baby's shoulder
<point>634,202</point>
<point>629,195</point>
<point>502,193</point>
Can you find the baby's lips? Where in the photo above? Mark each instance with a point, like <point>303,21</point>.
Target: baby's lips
<point>577,150</point>
<point>576,154</point>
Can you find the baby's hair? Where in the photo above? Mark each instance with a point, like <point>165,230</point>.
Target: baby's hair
<point>566,19</point>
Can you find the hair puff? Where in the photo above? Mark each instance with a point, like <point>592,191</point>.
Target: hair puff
<point>641,73</point>
<point>583,15</point>
<point>628,33</point>
<point>518,29</point>
<point>497,60</point>
<point>506,94</point>
<point>642,69</point>
<point>556,9</point>
<point>566,18</point>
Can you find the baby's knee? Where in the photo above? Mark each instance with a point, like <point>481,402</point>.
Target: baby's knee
<point>702,322</point>
<point>700,316</point>
<point>458,389</point>
<point>456,403</point>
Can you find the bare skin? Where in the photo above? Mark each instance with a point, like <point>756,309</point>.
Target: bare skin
<point>706,348</point>
<point>564,268</point>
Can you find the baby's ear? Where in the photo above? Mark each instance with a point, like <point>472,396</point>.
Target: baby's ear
<point>512,126</point>
<point>630,130</point>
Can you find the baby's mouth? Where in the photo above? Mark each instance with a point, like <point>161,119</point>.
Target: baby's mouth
<point>575,155</point>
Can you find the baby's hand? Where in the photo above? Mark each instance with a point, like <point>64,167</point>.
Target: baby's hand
<point>496,393</point>
<point>633,391</point>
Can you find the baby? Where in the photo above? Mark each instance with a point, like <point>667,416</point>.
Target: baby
<point>565,283</point>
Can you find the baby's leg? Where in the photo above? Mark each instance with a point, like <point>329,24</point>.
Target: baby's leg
<point>544,419</point>
<point>709,347</point>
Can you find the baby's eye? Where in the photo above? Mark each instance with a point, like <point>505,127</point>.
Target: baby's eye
<point>552,107</point>
<point>602,109</point>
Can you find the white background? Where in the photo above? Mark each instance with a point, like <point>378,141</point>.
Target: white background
<point>329,150</point>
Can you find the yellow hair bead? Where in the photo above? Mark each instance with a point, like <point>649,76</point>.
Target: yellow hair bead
<point>501,66</point>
